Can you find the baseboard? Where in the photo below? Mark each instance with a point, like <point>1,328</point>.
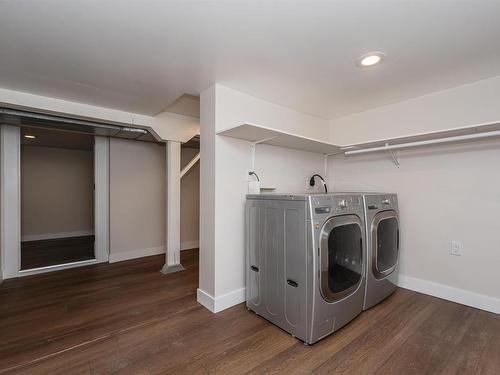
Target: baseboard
<point>133,254</point>
<point>139,253</point>
<point>51,236</point>
<point>222,302</point>
<point>449,293</point>
<point>187,245</point>
<point>229,299</point>
<point>205,299</point>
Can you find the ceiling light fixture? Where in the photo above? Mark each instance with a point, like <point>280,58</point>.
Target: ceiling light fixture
<point>370,59</point>
<point>29,136</point>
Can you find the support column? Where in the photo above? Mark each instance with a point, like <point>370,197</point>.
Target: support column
<point>173,222</point>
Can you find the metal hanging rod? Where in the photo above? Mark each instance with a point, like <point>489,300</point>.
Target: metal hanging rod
<point>457,138</point>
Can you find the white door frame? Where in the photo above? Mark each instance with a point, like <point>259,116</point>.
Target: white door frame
<point>101,198</point>
<point>10,205</point>
<point>10,200</point>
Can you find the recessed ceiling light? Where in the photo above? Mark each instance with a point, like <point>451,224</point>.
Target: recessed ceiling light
<point>370,59</point>
<point>29,136</point>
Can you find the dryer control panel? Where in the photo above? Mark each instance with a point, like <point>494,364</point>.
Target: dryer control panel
<point>380,202</point>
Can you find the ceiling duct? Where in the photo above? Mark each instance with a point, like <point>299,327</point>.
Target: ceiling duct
<point>38,120</point>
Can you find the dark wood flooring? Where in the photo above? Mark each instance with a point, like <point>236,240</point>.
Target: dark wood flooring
<point>43,253</point>
<point>129,318</point>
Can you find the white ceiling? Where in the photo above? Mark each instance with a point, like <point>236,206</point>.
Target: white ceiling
<point>141,55</point>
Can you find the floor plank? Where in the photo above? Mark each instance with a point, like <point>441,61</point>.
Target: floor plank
<point>128,318</point>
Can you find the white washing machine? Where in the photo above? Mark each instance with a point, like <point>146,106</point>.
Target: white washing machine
<point>306,261</point>
<point>382,239</point>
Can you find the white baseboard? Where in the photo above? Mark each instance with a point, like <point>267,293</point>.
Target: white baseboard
<point>51,236</point>
<point>229,299</point>
<point>222,302</point>
<point>187,245</point>
<point>139,253</point>
<point>205,299</point>
<point>57,267</point>
<point>133,254</point>
<point>449,293</point>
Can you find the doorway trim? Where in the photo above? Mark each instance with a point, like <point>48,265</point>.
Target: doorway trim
<point>10,205</point>
<point>101,198</point>
<point>10,200</point>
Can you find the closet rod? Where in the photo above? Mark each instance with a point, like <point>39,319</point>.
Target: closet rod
<point>457,138</point>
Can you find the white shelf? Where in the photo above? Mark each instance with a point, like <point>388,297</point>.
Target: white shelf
<point>424,139</point>
<point>261,135</point>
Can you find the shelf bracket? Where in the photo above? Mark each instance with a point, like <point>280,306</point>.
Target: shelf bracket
<point>253,146</point>
<point>394,156</point>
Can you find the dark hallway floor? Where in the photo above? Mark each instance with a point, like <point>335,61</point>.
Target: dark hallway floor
<point>43,253</point>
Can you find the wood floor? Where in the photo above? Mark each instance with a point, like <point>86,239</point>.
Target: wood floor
<point>55,251</point>
<point>129,318</point>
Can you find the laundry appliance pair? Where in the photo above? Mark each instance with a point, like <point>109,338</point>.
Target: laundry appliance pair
<point>314,262</point>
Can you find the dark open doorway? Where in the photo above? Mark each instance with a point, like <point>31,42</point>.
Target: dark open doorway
<point>57,198</point>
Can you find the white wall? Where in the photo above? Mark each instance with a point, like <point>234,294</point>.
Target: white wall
<point>190,201</point>
<point>206,291</point>
<point>288,170</point>
<point>137,199</point>
<point>56,192</point>
<point>468,105</point>
<point>224,164</point>
<point>447,192</point>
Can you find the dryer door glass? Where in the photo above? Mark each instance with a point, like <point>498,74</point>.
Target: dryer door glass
<point>385,243</point>
<point>341,247</point>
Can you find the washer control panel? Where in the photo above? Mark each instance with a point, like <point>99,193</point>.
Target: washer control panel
<point>327,205</point>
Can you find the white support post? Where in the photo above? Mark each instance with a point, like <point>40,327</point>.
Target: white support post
<point>10,200</point>
<point>173,222</point>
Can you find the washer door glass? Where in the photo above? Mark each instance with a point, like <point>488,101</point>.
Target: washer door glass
<point>341,256</point>
<point>385,243</point>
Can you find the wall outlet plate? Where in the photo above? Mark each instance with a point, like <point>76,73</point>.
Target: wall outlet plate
<point>457,248</point>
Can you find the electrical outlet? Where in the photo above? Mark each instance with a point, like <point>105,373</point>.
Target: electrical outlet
<point>457,248</point>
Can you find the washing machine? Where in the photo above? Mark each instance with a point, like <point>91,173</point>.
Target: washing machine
<point>382,239</point>
<point>306,258</point>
